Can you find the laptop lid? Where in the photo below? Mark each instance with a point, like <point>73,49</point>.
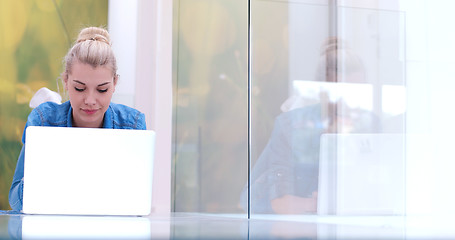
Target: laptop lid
<point>361,174</point>
<point>86,171</point>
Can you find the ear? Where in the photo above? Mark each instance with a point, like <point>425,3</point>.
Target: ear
<point>116,76</point>
<point>65,80</point>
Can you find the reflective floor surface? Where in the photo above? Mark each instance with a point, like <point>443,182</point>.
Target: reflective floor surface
<point>210,226</point>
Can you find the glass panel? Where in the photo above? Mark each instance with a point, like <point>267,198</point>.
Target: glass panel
<point>210,106</point>
<point>328,107</point>
<point>34,38</point>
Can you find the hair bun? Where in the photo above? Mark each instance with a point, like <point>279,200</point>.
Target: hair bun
<point>333,44</point>
<point>94,34</point>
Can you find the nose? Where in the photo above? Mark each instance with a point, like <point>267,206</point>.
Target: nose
<point>90,99</point>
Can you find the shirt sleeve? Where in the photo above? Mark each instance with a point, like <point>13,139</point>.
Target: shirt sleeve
<point>16,190</point>
<point>141,125</point>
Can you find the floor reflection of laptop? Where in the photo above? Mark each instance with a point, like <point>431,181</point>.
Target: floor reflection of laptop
<point>361,174</point>
<point>87,171</point>
<point>86,227</point>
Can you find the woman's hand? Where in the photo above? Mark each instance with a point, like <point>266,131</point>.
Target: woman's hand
<point>289,204</point>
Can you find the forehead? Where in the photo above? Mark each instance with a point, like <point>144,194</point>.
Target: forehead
<point>86,73</point>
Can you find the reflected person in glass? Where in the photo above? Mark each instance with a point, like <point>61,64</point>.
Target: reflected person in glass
<point>284,179</point>
<point>90,78</point>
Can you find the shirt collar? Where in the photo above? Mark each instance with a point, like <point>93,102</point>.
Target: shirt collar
<point>69,117</point>
<point>108,121</point>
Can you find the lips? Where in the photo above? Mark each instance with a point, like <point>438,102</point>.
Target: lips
<point>90,111</point>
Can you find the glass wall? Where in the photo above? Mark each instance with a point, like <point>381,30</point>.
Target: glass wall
<point>318,121</point>
<point>327,109</point>
<point>210,106</point>
<point>34,38</point>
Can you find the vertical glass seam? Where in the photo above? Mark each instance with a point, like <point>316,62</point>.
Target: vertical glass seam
<point>176,24</point>
<point>249,108</point>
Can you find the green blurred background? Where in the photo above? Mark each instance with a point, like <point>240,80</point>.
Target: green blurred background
<point>34,37</point>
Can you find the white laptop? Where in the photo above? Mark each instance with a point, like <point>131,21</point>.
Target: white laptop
<point>87,171</point>
<point>361,174</point>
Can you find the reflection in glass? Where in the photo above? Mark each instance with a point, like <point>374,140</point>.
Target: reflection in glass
<point>329,83</point>
<point>361,174</point>
<point>210,106</point>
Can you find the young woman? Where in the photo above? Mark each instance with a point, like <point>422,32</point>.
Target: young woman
<point>90,78</point>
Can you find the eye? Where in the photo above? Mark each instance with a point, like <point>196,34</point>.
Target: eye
<point>79,89</point>
<point>102,90</point>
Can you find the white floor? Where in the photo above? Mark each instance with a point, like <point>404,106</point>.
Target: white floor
<point>225,226</point>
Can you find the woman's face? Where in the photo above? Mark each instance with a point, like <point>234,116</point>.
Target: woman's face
<point>90,92</point>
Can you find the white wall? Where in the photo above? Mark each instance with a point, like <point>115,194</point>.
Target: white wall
<point>122,23</point>
<point>430,70</point>
<point>141,32</point>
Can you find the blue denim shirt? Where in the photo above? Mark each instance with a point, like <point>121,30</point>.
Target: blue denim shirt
<point>117,116</point>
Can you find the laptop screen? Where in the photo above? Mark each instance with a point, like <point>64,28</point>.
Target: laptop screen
<point>88,171</point>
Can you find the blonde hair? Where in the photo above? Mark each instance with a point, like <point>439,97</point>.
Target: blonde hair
<point>337,58</point>
<point>93,47</point>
